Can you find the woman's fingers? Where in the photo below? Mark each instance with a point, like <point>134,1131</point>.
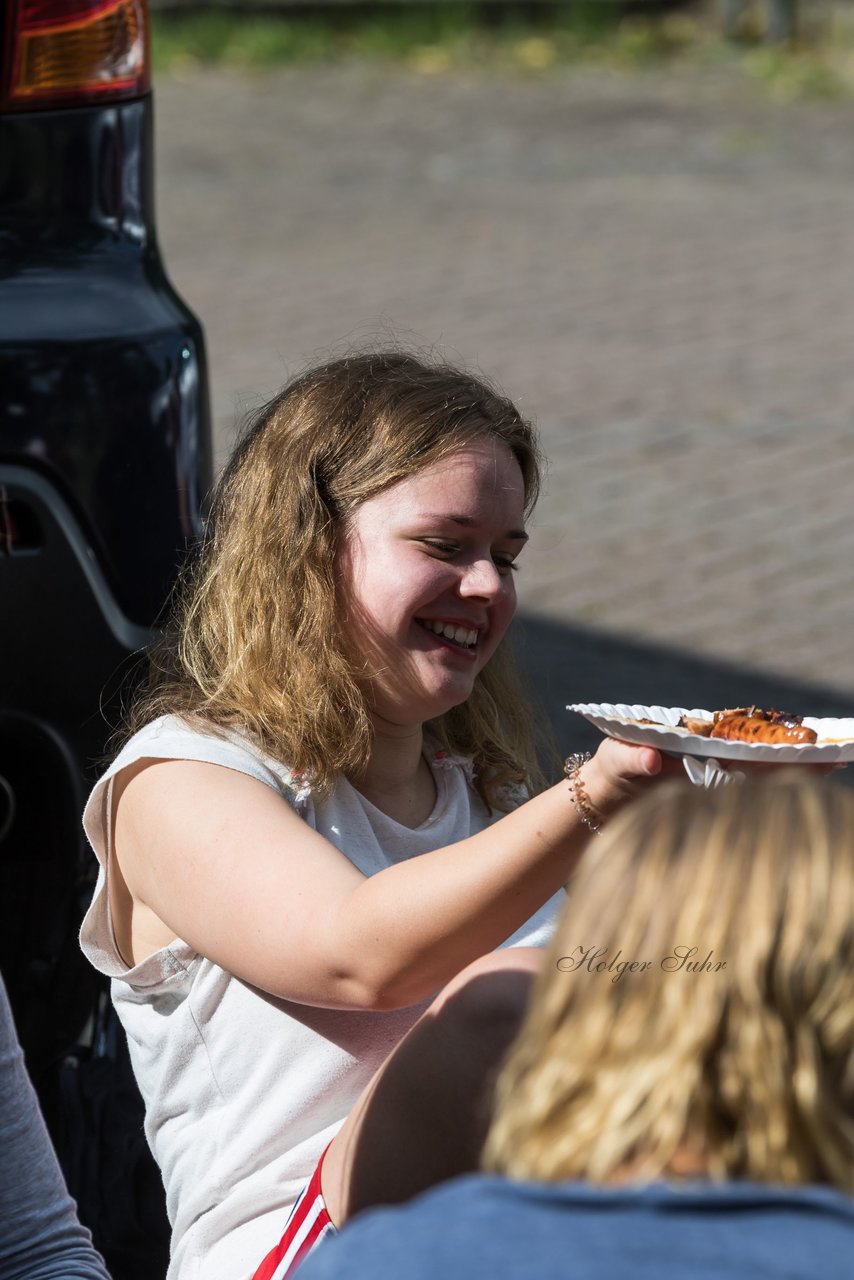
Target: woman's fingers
<point>627,761</point>
<point>619,771</point>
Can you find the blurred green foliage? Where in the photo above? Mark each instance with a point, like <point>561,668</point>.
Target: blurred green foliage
<point>435,39</point>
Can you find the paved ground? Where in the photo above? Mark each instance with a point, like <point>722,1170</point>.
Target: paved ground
<point>661,271</point>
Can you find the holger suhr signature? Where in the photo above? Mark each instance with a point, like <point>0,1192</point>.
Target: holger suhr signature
<point>680,960</point>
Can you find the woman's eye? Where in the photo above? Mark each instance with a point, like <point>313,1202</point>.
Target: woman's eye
<point>504,561</point>
<point>444,548</point>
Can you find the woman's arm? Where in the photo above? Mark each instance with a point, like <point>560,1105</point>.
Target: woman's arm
<point>220,860</point>
<point>40,1235</point>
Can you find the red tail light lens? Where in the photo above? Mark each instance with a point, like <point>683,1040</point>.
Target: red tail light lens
<point>66,50</point>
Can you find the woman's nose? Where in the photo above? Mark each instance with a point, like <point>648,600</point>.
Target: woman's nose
<point>481,578</point>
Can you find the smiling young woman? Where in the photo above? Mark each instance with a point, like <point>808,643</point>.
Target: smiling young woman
<point>322,898</point>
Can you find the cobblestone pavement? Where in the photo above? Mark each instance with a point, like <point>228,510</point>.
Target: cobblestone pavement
<point>659,270</point>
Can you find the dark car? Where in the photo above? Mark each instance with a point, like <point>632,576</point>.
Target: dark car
<point>105,460</point>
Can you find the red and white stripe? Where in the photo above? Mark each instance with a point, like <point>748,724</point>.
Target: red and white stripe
<point>307,1225</point>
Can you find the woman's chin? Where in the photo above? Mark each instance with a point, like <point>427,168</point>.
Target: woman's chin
<point>422,707</point>
<point>450,698</point>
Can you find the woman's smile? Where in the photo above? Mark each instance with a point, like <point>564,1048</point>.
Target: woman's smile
<point>459,635</point>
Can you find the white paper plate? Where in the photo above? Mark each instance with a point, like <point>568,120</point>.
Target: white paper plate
<point>620,720</point>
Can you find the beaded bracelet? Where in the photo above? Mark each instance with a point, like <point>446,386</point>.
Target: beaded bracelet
<point>587,811</point>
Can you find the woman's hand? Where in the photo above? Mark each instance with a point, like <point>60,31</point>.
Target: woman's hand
<point>620,771</point>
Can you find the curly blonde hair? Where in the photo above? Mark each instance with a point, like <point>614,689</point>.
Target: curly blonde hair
<point>254,639</point>
<point>748,1067</point>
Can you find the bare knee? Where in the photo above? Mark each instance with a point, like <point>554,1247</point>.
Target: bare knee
<point>425,1114</point>
<point>495,985</point>
<point>480,1010</point>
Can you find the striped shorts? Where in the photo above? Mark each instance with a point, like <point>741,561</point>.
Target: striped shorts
<point>307,1225</point>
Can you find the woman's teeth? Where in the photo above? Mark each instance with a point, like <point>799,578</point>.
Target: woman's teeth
<point>460,635</point>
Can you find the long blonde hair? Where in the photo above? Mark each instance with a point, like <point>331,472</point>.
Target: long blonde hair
<point>255,639</point>
<point>747,1060</point>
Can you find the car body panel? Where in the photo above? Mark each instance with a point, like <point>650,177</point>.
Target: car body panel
<point>103,378</point>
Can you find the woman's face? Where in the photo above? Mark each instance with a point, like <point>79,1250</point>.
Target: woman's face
<point>426,583</point>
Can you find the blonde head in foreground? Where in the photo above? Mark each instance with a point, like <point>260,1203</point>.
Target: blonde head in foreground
<point>742,1068</point>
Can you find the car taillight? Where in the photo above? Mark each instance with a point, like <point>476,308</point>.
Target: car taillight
<point>76,50</point>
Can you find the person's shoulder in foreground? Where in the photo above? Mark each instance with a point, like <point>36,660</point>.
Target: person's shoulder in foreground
<point>489,1225</point>
<point>40,1235</point>
<point>659,1121</point>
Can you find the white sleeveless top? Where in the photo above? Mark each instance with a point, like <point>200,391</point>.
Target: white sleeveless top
<point>242,1090</point>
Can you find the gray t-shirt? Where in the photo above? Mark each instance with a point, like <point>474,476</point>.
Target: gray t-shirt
<point>40,1235</point>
